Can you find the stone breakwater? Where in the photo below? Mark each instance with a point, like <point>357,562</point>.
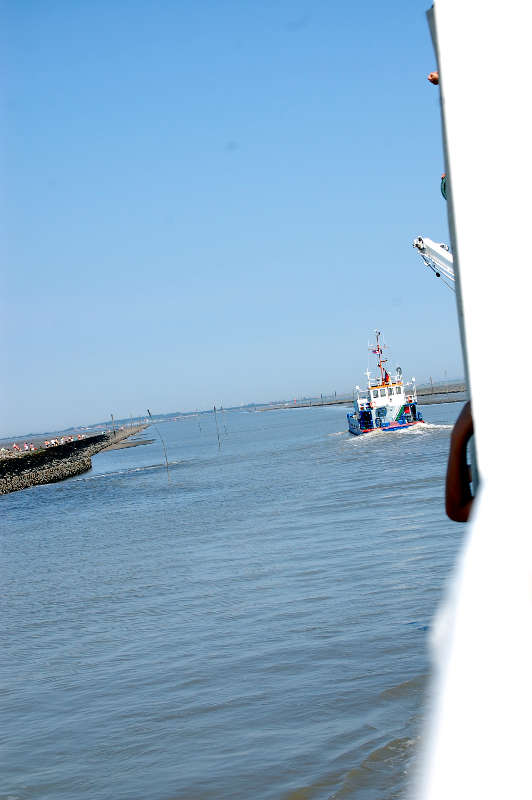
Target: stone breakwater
<point>56,463</point>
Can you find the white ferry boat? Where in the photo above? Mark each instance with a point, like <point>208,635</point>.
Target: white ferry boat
<point>388,404</point>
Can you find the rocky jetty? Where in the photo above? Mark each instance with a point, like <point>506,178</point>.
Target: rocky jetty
<point>56,463</point>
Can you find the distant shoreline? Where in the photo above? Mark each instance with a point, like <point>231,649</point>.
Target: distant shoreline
<point>455,393</point>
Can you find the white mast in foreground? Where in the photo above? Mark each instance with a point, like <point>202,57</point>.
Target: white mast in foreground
<point>479,738</point>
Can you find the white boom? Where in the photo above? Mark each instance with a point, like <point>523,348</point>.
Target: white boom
<point>437,257</point>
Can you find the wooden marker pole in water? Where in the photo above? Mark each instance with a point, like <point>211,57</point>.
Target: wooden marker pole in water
<point>217,429</point>
<point>223,417</point>
<point>163,444</point>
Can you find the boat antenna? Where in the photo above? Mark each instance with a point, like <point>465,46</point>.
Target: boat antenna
<point>378,350</point>
<point>163,444</point>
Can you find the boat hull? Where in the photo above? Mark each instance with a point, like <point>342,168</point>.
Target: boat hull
<point>385,428</point>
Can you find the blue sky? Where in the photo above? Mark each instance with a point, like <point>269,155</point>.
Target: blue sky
<point>215,202</point>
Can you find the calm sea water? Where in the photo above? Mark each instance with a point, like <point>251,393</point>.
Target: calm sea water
<point>257,628</point>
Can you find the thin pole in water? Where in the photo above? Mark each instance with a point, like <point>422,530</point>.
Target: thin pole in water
<point>163,444</point>
<point>217,429</point>
<point>223,417</point>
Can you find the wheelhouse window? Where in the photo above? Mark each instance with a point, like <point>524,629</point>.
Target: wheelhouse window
<point>375,392</point>
<point>390,391</point>
<point>383,392</point>
<point>397,390</point>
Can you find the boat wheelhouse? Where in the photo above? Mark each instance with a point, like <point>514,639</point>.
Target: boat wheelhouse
<point>388,403</point>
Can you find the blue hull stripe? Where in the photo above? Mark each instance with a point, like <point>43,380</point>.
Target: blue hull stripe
<point>387,430</point>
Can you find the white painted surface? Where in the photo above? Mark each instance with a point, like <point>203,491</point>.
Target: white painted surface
<point>481,742</point>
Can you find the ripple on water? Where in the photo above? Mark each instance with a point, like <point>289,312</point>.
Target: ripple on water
<point>255,628</point>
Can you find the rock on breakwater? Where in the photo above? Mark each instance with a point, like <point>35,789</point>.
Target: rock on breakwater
<point>53,472</point>
<point>56,463</point>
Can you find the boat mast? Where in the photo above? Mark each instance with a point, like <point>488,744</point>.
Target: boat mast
<point>380,359</point>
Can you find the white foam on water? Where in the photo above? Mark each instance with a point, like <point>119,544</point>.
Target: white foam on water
<point>424,429</point>
<point>129,471</point>
<point>417,430</point>
<point>357,439</point>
